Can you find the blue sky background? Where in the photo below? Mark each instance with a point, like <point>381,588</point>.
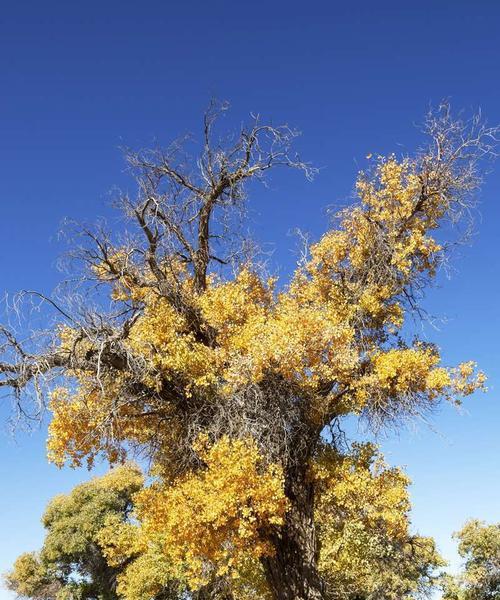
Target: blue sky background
<point>78,80</point>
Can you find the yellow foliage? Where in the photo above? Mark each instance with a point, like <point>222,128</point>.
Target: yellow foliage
<point>362,516</point>
<point>330,326</point>
<point>208,523</point>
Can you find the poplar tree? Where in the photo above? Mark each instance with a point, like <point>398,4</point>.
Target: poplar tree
<point>226,377</point>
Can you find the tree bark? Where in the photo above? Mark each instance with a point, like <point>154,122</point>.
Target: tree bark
<point>292,572</point>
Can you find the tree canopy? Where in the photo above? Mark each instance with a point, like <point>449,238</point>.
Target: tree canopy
<point>228,378</point>
<point>479,546</point>
<point>71,563</point>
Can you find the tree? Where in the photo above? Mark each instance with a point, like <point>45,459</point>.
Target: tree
<point>221,373</point>
<point>71,563</point>
<point>479,545</point>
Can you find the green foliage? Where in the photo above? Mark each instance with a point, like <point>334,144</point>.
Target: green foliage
<point>33,578</point>
<point>479,546</point>
<point>70,563</point>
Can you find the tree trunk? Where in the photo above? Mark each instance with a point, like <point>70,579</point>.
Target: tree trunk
<point>292,573</point>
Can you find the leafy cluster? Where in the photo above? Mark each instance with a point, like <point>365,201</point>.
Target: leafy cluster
<point>363,515</point>
<point>479,546</point>
<point>209,524</point>
<point>71,564</point>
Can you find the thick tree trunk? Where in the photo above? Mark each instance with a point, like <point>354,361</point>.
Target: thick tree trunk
<point>292,572</point>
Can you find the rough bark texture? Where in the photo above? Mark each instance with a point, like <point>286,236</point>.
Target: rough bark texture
<point>292,573</point>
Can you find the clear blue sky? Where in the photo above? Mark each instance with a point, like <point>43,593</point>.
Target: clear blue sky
<point>77,80</point>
